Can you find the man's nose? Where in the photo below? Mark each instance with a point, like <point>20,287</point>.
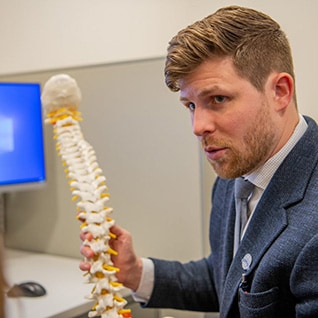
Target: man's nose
<point>202,122</point>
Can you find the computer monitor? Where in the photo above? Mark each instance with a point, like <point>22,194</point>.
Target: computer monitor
<point>22,159</point>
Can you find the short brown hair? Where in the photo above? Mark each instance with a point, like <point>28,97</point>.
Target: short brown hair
<point>255,42</point>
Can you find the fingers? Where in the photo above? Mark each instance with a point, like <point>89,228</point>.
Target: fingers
<point>87,251</point>
<point>86,236</point>
<point>116,242</point>
<point>84,266</point>
<point>117,230</point>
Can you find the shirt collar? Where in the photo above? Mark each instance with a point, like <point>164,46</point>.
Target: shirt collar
<point>262,176</point>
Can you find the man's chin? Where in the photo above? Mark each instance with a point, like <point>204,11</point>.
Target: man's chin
<point>224,171</point>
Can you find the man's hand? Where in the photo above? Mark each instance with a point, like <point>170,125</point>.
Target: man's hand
<point>129,264</point>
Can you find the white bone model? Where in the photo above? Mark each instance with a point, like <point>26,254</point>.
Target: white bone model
<point>60,99</point>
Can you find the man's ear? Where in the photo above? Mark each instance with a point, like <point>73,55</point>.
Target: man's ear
<point>283,85</point>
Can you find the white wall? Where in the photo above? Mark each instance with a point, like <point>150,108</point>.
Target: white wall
<point>46,34</point>
<point>49,34</point>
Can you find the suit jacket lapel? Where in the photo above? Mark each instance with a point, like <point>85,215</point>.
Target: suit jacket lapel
<point>254,245</point>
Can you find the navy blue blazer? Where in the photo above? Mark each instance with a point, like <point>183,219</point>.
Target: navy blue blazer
<point>282,241</point>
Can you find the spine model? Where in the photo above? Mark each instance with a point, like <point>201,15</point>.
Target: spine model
<point>60,99</point>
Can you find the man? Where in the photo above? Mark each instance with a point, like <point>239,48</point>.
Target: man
<point>234,71</point>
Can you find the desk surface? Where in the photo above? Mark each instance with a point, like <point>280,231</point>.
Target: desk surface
<point>61,277</point>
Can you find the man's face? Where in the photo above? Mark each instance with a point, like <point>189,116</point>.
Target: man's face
<point>233,120</point>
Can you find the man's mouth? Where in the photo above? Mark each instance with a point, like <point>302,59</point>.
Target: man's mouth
<point>214,153</point>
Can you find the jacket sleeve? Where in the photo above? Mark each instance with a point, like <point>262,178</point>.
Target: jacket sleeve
<point>183,286</point>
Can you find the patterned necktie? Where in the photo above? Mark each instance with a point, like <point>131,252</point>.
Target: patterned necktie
<point>242,190</point>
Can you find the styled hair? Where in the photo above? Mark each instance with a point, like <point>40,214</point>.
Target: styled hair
<point>253,40</point>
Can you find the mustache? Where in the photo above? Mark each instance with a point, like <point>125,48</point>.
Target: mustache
<point>215,142</point>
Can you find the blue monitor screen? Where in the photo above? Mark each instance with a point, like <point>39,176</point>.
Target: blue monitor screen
<point>22,161</point>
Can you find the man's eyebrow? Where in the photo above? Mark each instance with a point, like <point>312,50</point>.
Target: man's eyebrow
<point>204,92</point>
<point>209,91</point>
<point>183,99</point>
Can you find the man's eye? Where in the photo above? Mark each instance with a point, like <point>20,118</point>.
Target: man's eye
<point>219,99</point>
<point>191,106</point>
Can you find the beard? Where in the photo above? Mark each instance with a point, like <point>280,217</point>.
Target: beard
<point>256,146</point>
